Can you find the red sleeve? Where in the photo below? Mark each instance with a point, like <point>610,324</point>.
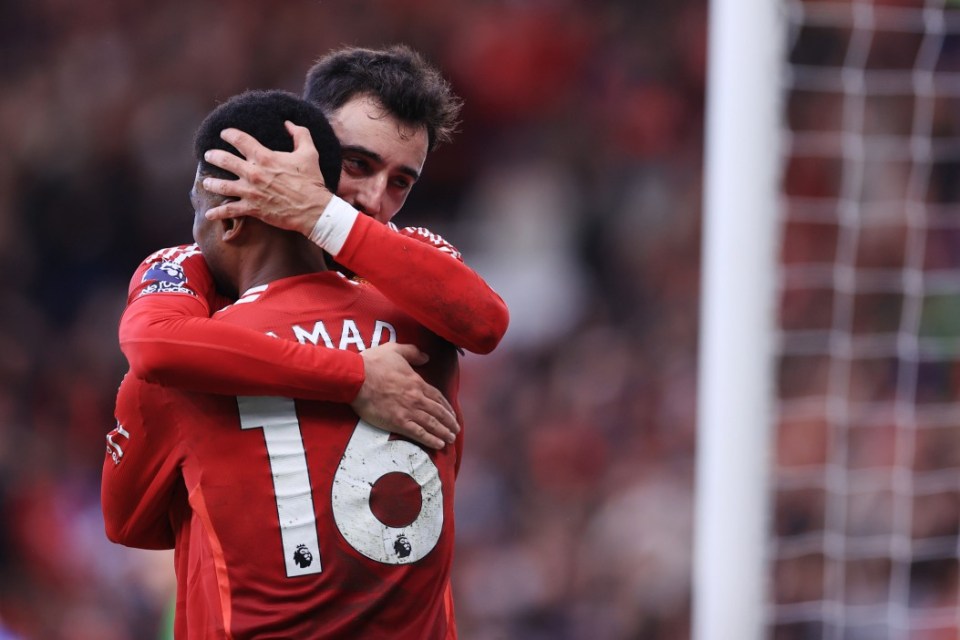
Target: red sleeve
<point>141,472</point>
<point>168,338</point>
<point>434,286</point>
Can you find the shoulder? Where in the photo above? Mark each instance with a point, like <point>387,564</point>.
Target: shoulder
<point>172,262</point>
<point>181,269</point>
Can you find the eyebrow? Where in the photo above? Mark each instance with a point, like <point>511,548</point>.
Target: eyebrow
<point>376,157</point>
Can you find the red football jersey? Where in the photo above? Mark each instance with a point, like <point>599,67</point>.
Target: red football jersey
<point>167,336</point>
<point>293,519</point>
<point>166,323</point>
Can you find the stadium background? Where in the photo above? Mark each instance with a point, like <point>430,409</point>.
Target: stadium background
<point>574,188</point>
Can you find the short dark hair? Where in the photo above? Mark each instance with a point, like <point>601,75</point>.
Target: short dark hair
<point>399,77</point>
<point>262,114</point>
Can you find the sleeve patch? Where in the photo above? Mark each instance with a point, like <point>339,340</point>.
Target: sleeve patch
<point>165,272</point>
<point>165,276</point>
<point>166,287</point>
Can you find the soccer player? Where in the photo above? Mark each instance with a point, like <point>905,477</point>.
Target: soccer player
<point>291,519</point>
<point>389,108</point>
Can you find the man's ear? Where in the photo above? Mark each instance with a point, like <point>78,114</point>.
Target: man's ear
<point>232,229</point>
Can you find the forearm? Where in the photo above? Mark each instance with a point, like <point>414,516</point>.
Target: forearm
<point>208,356</point>
<point>139,481</point>
<point>439,291</point>
<point>126,521</point>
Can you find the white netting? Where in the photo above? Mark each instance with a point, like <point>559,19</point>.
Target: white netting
<point>866,507</point>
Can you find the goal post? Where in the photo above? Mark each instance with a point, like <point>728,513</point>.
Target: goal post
<point>736,372</point>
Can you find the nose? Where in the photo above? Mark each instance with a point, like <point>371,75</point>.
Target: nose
<point>370,197</point>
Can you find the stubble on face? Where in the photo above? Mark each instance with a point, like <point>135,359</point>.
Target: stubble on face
<point>382,156</point>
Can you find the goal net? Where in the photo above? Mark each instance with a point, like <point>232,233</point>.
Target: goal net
<point>866,485</point>
<point>863,455</point>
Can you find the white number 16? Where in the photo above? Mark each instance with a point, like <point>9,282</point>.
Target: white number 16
<point>369,456</point>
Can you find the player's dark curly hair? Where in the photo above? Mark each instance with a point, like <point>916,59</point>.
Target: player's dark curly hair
<point>261,114</point>
<point>399,77</point>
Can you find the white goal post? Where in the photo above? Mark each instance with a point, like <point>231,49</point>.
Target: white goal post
<point>734,406</point>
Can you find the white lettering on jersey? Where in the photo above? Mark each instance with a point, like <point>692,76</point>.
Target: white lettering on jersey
<point>351,335</point>
<point>378,330</point>
<point>319,331</point>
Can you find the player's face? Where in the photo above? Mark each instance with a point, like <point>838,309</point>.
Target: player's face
<point>202,200</point>
<point>207,234</point>
<point>382,157</point>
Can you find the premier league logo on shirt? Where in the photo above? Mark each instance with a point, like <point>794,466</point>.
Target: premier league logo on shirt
<point>165,272</point>
<point>165,277</point>
<point>302,556</point>
<point>402,546</point>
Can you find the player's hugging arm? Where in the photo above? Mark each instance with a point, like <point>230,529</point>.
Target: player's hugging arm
<point>168,337</point>
<point>421,273</point>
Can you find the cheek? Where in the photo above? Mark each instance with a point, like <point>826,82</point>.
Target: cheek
<point>201,229</point>
<point>393,205</point>
<point>347,186</point>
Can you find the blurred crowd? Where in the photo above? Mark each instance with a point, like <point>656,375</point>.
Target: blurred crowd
<point>574,188</point>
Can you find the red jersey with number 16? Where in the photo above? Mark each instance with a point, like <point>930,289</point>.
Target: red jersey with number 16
<point>295,519</point>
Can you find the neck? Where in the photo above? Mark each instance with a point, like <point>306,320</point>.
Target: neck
<point>280,255</point>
